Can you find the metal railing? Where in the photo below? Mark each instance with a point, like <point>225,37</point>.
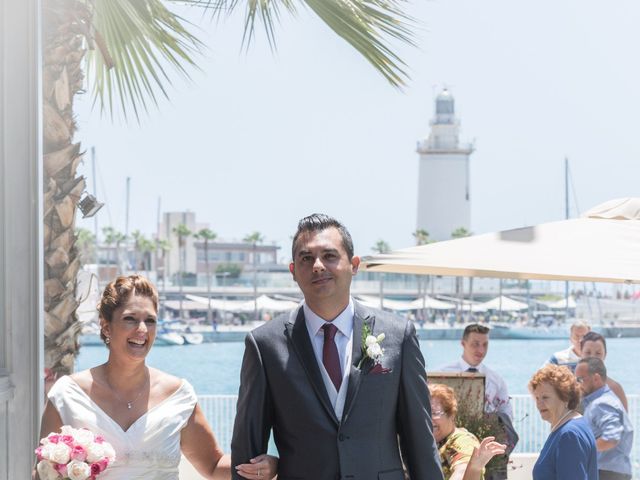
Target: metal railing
<point>220,411</point>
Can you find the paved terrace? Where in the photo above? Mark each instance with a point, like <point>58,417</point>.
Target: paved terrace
<point>220,412</point>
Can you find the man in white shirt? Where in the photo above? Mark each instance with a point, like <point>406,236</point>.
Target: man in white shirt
<point>571,356</point>
<point>475,344</point>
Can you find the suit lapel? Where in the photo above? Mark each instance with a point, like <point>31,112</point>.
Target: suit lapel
<point>299,337</point>
<point>360,318</point>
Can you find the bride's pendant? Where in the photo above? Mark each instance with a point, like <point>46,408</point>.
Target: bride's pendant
<point>129,405</point>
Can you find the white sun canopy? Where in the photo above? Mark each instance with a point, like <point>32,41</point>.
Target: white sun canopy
<point>264,303</point>
<point>561,304</point>
<point>404,305</point>
<point>601,246</point>
<point>503,303</point>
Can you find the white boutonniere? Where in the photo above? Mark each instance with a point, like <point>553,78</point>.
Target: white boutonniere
<point>371,347</point>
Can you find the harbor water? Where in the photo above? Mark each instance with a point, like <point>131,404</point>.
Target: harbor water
<point>214,368</point>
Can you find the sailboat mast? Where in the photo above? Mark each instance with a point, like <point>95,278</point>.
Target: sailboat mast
<point>566,216</point>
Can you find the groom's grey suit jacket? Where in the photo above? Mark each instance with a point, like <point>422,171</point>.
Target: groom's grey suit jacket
<point>386,419</point>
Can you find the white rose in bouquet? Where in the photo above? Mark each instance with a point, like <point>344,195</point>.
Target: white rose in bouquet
<point>59,452</point>
<point>84,438</point>
<point>95,452</point>
<point>78,470</point>
<point>67,430</point>
<point>108,451</point>
<point>46,470</point>
<point>44,451</point>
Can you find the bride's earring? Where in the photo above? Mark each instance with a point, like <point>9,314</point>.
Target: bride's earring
<point>107,340</point>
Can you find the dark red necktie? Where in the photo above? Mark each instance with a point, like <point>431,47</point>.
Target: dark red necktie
<point>330,357</point>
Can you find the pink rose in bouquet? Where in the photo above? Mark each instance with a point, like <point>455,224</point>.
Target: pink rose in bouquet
<point>73,454</point>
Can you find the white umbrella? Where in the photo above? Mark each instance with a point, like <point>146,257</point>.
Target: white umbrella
<point>601,246</point>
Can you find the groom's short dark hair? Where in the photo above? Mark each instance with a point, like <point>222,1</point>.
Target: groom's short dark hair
<point>317,222</point>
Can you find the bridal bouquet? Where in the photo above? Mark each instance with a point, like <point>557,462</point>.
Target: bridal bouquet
<point>73,454</point>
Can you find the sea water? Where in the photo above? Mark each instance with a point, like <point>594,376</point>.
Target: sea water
<point>214,368</point>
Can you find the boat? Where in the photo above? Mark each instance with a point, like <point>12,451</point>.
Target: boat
<point>169,338</point>
<point>192,338</point>
<point>525,332</point>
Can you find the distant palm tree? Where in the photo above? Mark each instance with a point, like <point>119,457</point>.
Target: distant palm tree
<point>116,238</point>
<point>381,247</point>
<point>207,235</point>
<point>126,49</point>
<point>182,232</point>
<point>462,232</point>
<point>137,238</point>
<point>421,237</point>
<point>144,247</point>
<point>163,246</point>
<point>254,238</point>
<point>86,243</point>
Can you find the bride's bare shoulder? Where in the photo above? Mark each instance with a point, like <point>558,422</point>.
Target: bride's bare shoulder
<point>165,383</point>
<point>85,378</point>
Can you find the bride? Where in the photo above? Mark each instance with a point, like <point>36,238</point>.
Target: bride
<point>148,416</point>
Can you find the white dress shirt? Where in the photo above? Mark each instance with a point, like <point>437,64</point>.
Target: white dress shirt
<point>344,342</point>
<point>496,396</point>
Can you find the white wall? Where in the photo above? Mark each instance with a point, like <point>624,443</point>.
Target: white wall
<point>20,237</point>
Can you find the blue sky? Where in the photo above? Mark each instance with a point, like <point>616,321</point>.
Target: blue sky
<point>257,140</point>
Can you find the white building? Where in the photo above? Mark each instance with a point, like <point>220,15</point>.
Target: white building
<point>170,221</point>
<point>444,202</point>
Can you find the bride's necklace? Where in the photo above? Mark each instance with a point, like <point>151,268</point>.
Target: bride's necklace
<point>568,412</point>
<point>128,402</point>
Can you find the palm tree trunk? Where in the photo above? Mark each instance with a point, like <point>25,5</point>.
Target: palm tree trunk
<point>64,25</point>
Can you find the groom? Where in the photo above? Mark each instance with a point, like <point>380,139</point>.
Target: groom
<point>337,410</point>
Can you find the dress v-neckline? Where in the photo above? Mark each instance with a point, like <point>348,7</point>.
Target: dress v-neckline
<point>157,405</point>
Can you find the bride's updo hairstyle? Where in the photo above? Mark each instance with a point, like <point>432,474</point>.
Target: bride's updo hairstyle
<point>118,292</point>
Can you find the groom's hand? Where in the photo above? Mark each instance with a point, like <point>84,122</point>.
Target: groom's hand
<point>262,467</point>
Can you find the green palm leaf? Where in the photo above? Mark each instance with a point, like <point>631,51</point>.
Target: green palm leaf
<point>137,40</point>
<point>364,24</point>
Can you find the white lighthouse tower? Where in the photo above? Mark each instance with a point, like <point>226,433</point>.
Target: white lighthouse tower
<point>444,202</point>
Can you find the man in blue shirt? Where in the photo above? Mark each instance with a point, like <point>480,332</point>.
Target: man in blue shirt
<point>608,420</point>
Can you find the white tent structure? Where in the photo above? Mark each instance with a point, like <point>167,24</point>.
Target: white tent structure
<point>501,303</point>
<point>431,303</point>
<point>268,304</point>
<point>601,246</point>
<point>403,305</point>
<point>264,303</point>
<point>562,304</point>
<point>216,304</point>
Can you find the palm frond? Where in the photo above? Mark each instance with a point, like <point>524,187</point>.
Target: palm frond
<point>139,39</point>
<point>366,25</point>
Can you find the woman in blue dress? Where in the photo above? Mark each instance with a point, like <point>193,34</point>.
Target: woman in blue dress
<point>570,450</point>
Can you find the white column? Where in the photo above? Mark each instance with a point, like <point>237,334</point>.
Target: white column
<point>20,237</point>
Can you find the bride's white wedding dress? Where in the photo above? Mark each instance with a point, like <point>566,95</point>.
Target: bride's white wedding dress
<point>149,449</point>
